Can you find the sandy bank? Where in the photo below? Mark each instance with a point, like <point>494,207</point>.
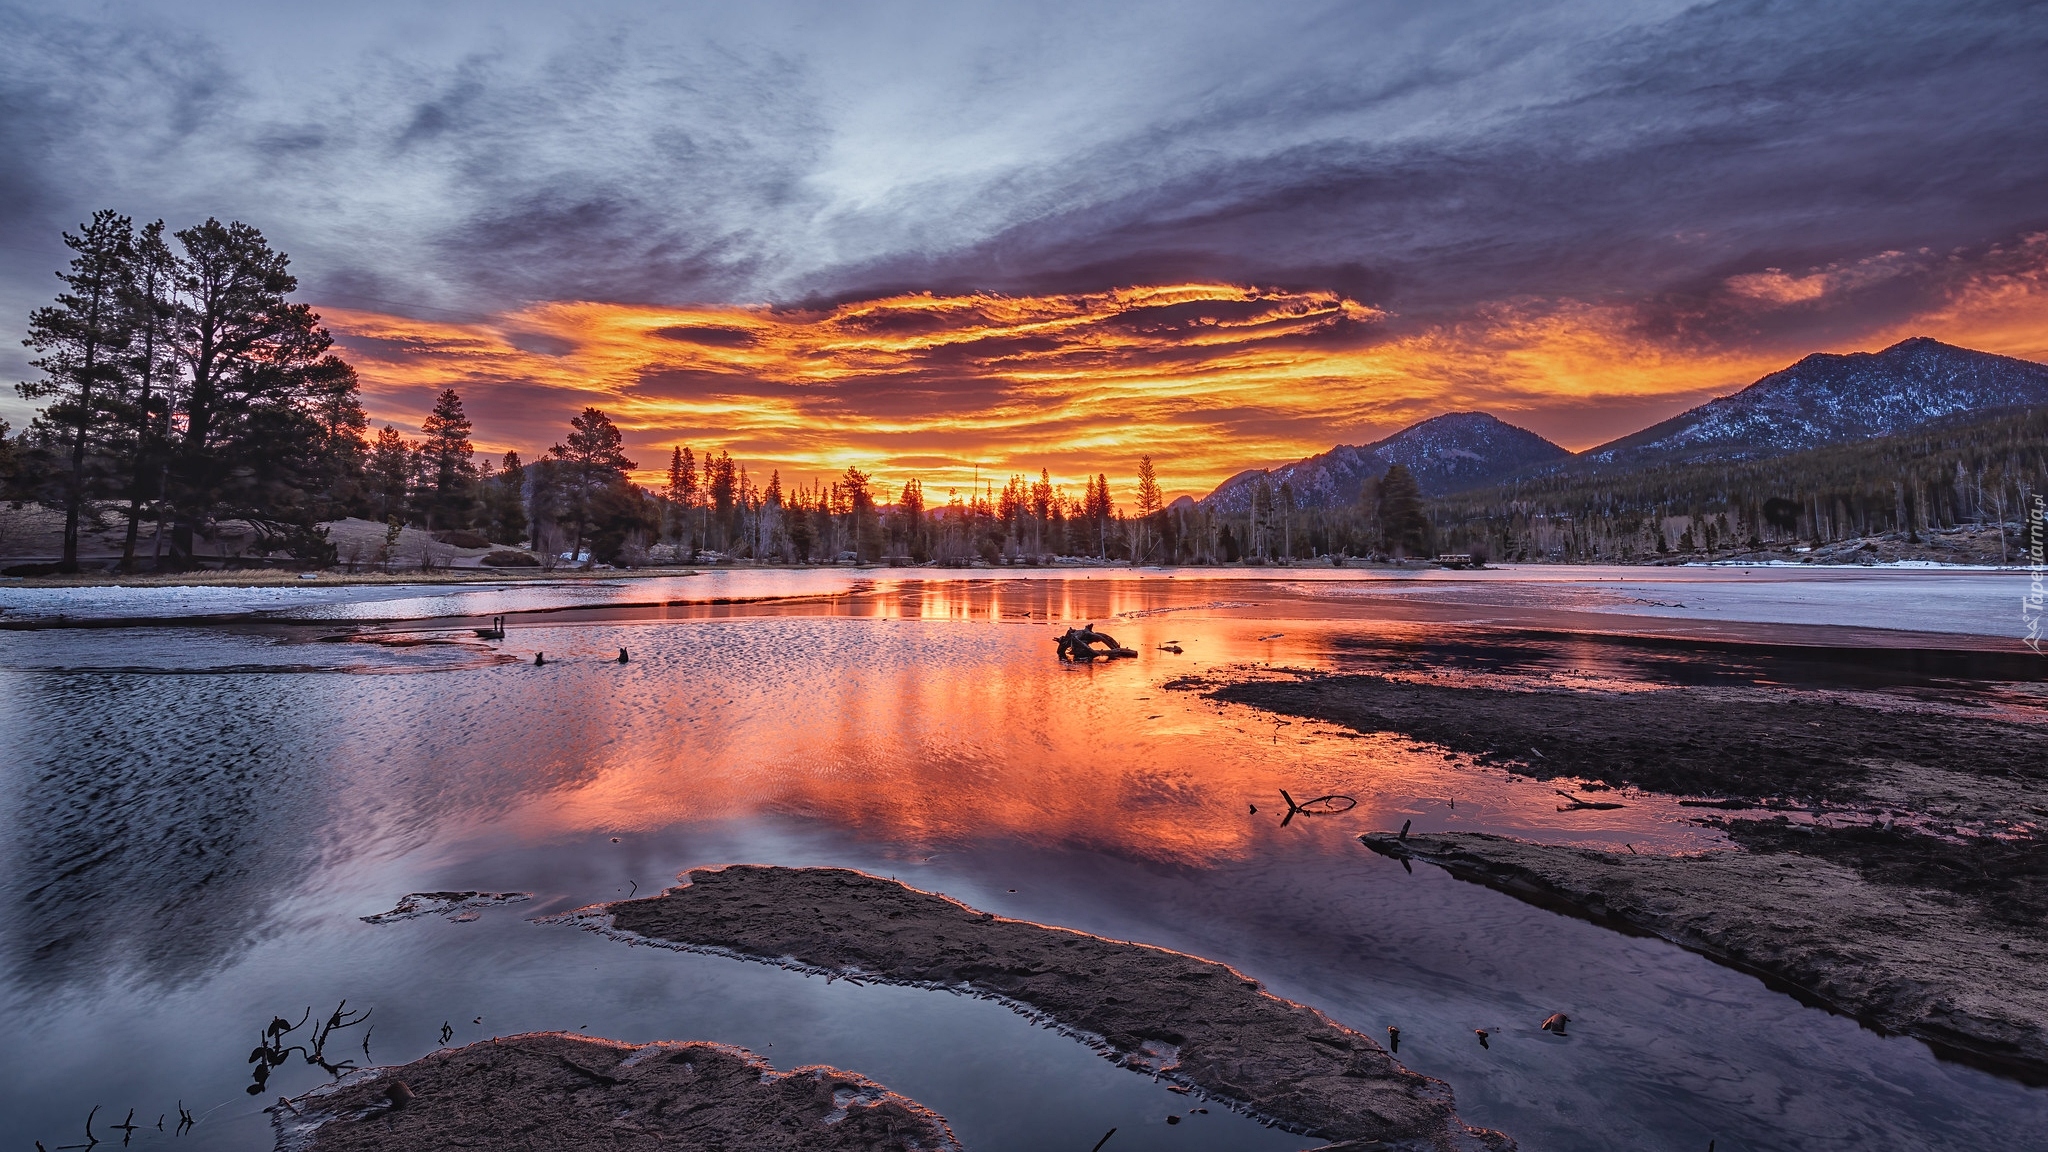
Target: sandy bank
<point>1193,1021</point>
<point>1902,959</point>
<point>548,1090</point>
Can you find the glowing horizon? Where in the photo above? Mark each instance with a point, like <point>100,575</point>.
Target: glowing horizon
<point>1207,378</point>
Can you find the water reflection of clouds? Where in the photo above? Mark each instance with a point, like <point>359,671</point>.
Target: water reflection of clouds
<point>158,817</point>
<point>162,818</point>
<point>163,826</point>
<point>155,822</point>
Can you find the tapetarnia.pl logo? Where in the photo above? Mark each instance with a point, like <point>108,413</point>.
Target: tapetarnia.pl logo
<point>2037,565</point>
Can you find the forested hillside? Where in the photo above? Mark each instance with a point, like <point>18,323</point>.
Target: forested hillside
<point>1968,469</point>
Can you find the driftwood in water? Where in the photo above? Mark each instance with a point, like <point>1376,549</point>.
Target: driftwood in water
<point>1078,644</point>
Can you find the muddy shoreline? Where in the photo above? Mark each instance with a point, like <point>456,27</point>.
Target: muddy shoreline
<point>1191,1021</point>
<point>548,1090</point>
<point>1903,879</point>
<point>1901,960</point>
<point>1746,743</point>
<point>1951,799</point>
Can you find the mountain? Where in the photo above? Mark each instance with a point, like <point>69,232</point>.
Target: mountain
<point>1831,399</point>
<point>1447,453</point>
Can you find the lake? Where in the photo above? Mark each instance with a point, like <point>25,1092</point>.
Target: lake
<point>208,788</point>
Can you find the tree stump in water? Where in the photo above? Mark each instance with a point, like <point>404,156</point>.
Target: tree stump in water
<point>1079,644</point>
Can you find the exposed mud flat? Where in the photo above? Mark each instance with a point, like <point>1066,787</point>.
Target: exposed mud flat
<point>1903,959</point>
<point>1744,743</point>
<point>1949,798</point>
<point>550,1090</point>
<point>1910,892</point>
<point>1192,1021</point>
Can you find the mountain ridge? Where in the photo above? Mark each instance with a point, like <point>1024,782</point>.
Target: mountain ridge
<point>1446,453</point>
<point>1824,398</point>
<point>1834,398</point>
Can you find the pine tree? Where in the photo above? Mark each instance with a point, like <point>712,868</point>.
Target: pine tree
<point>246,442</point>
<point>389,475</point>
<point>1042,501</point>
<point>590,464</point>
<point>335,402</point>
<point>508,502</point>
<point>1097,508</point>
<point>910,507</point>
<point>450,463</point>
<point>860,508</point>
<point>1403,527</point>
<point>80,341</point>
<point>721,492</point>
<point>1149,499</point>
<point>152,371</point>
<point>682,489</point>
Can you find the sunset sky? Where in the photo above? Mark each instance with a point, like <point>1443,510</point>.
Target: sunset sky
<point>931,239</point>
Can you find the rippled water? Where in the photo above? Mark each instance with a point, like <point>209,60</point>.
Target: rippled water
<point>198,816</point>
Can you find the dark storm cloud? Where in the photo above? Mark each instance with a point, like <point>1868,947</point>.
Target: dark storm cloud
<point>1425,159</point>
<point>1664,160</point>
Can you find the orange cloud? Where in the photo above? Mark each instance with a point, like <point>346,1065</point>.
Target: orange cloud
<point>1773,286</point>
<point>1206,378</point>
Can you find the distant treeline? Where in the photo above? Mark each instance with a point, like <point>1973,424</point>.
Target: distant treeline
<point>1981,468</point>
<point>182,387</point>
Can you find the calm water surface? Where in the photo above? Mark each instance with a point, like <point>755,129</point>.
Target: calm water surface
<point>197,818</point>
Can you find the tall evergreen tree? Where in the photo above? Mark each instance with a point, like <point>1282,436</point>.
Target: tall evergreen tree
<point>1149,500</point>
<point>721,491</point>
<point>798,525</point>
<point>860,509</point>
<point>507,502</point>
<point>246,440</point>
<point>389,476</point>
<point>910,506</point>
<point>590,463</point>
<point>1403,527</point>
<point>335,403</point>
<point>450,499</point>
<point>682,490</point>
<point>153,377</point>
<point>80,341</point>
<point>1042,502</point>
<point>1097,508</point>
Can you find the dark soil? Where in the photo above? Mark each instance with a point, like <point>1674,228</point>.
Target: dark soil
<point>2006,878</point>
<point>1190,1020</point>
<point>1901,958</point>
<point>547,1090</point>
<point>1915,899</point>
<point>1753,745</point>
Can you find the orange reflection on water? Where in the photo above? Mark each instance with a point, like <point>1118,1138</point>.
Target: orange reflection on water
<point>933,719</point>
